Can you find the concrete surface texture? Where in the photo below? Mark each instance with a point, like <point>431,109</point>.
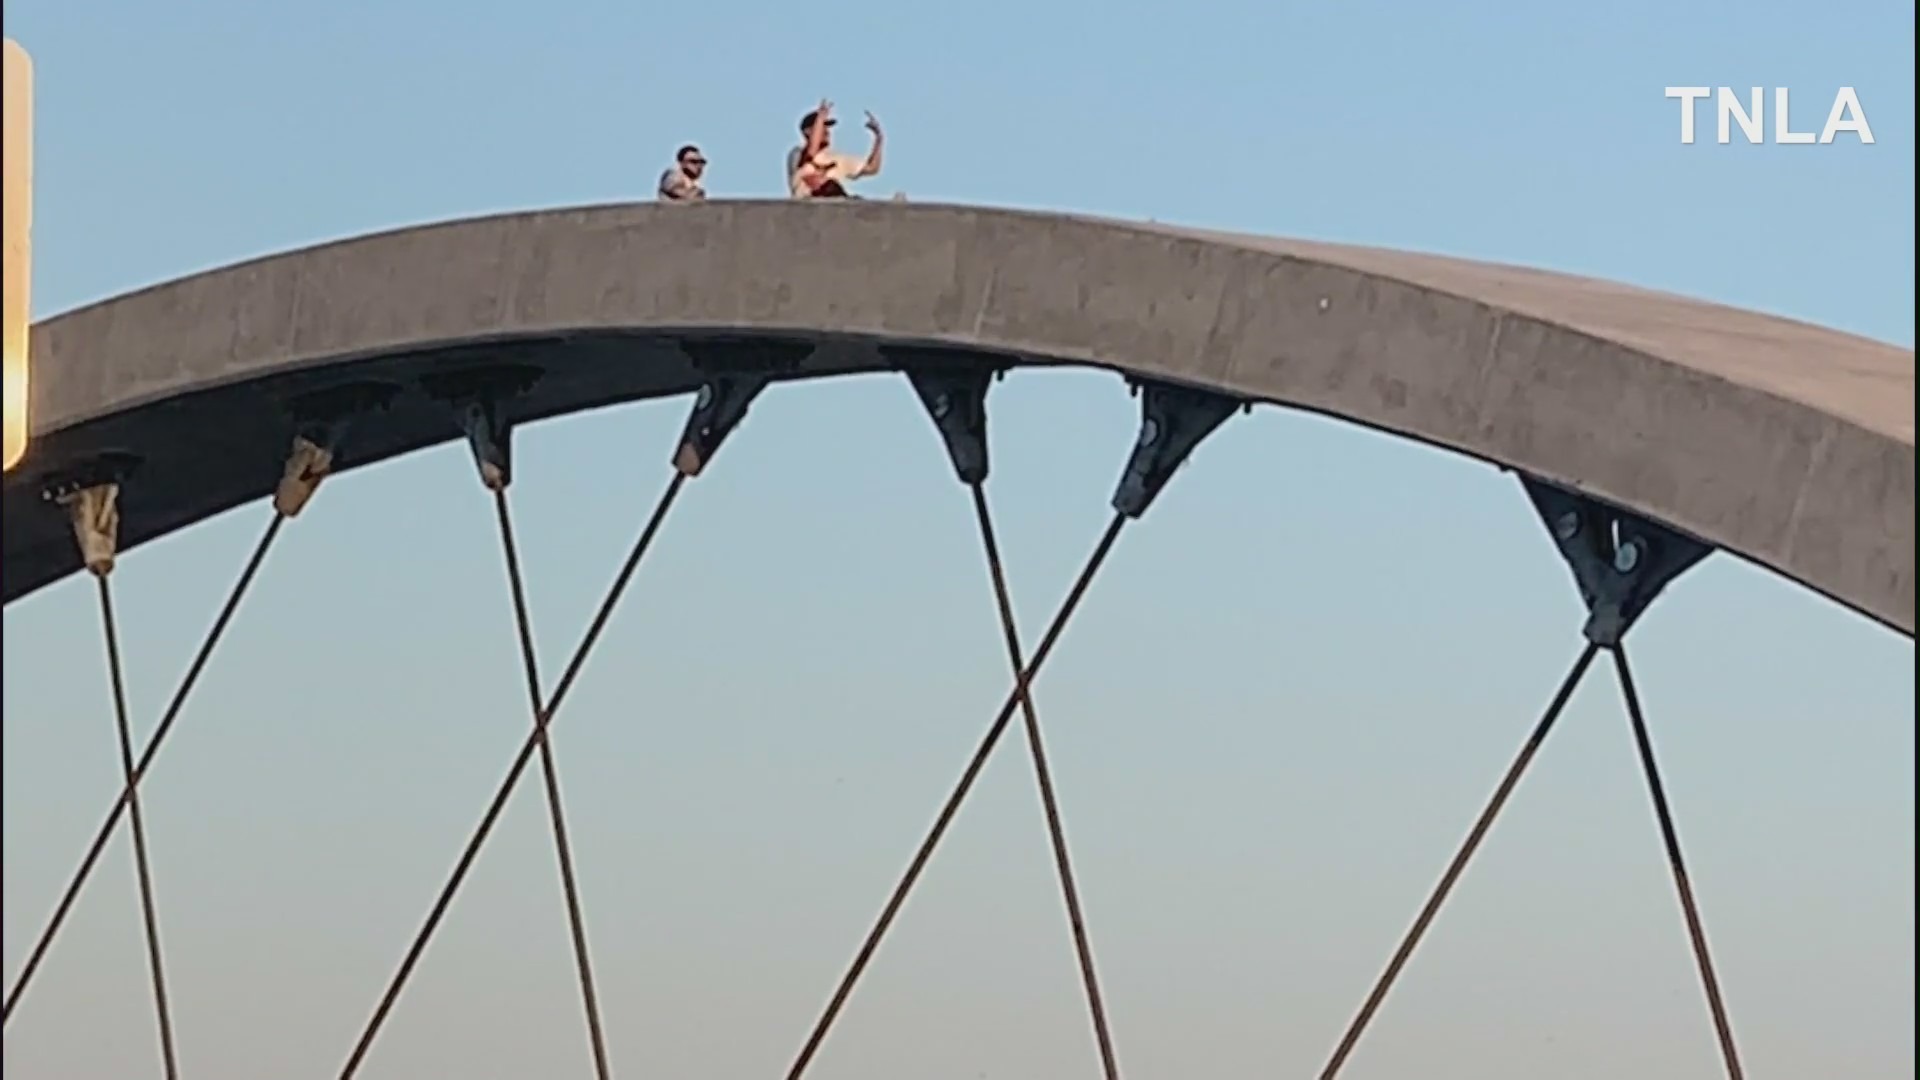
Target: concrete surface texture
<point>1782,442</point>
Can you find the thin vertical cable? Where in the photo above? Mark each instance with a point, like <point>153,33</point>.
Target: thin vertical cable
<point>505,791</point>
<point>105,833</point>
<point>952,806</point>
<point>523,622</point>
<point>143,867</point>
<point>1682,882</point>
<point>1049,801</point>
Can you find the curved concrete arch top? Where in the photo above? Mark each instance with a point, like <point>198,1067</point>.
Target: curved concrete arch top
<point>1782,442</point>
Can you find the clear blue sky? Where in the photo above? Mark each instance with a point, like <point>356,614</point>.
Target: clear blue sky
<point>1284,702</point>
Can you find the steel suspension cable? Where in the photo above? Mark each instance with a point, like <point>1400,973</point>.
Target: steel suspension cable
<point>516,583</point>
<point>127,794</point>
<point>505,791</point>
<point>1682,882</point>
<point>1460,859</point>
<point>143,867</point>
<point>952,805</point>
<point>1043,776</point>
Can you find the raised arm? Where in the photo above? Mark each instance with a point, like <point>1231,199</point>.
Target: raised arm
<point>817,134</point>
<point>874,155</point>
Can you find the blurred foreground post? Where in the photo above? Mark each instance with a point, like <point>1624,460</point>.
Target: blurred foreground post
<point>17,94</point>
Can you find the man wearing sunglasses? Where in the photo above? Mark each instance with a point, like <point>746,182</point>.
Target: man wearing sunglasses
<point>815,171</point>
<point>681,181</point>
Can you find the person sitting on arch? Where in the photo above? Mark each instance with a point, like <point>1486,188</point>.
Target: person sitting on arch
<point>681,181</point>
<point>815,171</point>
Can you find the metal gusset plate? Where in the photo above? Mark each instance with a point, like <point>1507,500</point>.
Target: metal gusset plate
<point>320,423</point>
<point>479,398</point>
<point>952,384</point>
<point>1173,420</point>
<point>1620,560</point>
<point>735,370</point>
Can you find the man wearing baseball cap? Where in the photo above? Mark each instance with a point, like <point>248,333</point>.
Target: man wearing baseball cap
<point>815,171</point>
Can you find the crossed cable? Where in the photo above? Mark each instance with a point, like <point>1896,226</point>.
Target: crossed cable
<point>1620,563</point>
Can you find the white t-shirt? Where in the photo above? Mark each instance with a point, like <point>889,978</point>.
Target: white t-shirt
<point>841,167</point>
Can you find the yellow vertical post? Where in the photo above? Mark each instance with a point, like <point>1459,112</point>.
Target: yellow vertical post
<point>16,94</point>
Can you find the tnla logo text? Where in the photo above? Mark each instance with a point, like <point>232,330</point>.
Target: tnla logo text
<point>1845,115</point>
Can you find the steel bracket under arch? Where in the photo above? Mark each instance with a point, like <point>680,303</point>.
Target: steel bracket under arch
<point>953,386</point>
<point>478,398</point>
<point>734,372</point>
<point>90,497</point>
<point>1620,560</point>
<point>320,422</point>
<point>1173,421</point>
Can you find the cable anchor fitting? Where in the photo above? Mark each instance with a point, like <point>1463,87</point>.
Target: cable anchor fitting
<point>320,423</point>
<point>490,440</point>
<point>1620,560</point>
<point>734,371</point>
<point>90,495</point>
<point>953,385</point>
<point>478,398</point>
<point>1173,421</point>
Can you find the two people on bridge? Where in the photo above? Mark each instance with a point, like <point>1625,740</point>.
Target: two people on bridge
<point>814,169</point>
